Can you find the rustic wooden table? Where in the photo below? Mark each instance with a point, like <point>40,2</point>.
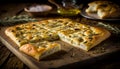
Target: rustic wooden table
<point>9,61</point>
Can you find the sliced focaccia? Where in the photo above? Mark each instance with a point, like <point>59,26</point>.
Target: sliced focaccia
<point>36,31</point>
<point>109,11</point>
<point>70,31</point>
<point>94,6</point>
<point>85,37</point>
<point>104,9</point>
<point>40,50</point>
<point>30,33</point>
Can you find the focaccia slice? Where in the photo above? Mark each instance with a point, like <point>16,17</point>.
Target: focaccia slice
<point>30,33</point>
<point>40,50</point>
<point>104,9</point>
<point>109,11</point>
<point>84,37</point>
<point>94,6</point>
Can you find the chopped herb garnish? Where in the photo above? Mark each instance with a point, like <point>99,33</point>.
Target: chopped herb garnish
<point>80,39</point>
<point>13,30</point>
<point>60,21</point>
<point>33,28</point>
<point>90,38</point>
<point>18,28</point>
<point>77,29</point>
<point>85,42</point>
<point>34,25</point>
<point>17,35</point>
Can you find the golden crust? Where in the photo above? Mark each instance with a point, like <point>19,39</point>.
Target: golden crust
<point>104,34</point>
<point>32,50</point>
<point>11,35</point>
<point>40,50</point>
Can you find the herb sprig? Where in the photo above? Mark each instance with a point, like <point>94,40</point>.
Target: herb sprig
<point>14,20</point>
<point>114,29</point>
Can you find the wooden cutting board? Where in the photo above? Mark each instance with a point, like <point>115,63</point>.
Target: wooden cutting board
<point>71,56</point>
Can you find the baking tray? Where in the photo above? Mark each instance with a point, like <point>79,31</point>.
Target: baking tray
<point>72,56</point>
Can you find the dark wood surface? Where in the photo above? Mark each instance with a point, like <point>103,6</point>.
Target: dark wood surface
<point>9,61</point>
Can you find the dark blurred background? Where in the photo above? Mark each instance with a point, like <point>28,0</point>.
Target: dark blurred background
<point>46,1</point>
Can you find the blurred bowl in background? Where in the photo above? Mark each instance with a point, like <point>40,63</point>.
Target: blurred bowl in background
<point>38,10</point>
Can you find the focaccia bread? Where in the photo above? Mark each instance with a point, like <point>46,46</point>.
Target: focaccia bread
<point>30,33</point>
<point>84,37</point>
<point>35,38</point>
<point>94,6</point>
<point>38,31</point>
<point>40,50</point>
<point>104,9</point>
<point>109,11</point>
